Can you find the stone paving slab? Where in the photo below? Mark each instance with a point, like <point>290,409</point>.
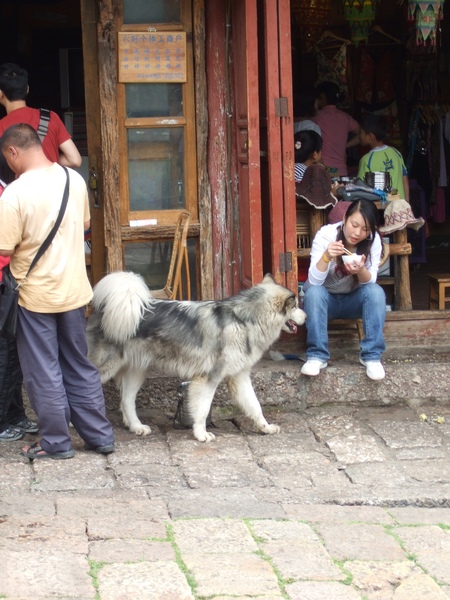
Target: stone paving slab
<point>315,590</point>
<point>237,573</point>
<point>412,515</point>
<point>144,580</point>
<point>341,505</point>
<point>130,550</point>
<point>359,541</point>
<point>44,573</point>
<point>380,580</point>
<point>430,544</point>
<point>419,586</point>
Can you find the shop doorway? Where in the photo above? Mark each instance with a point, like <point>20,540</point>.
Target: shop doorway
<point>377,62</point>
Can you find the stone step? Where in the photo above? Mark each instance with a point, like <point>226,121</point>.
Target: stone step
<point>415,375</point>
<point>417,363</point>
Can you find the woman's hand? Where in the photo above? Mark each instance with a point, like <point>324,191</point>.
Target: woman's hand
<point>334,250</point>
<point>335,186</point>
<point>355,268</point>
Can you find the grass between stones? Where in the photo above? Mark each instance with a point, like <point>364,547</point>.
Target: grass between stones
<point>181,565</point>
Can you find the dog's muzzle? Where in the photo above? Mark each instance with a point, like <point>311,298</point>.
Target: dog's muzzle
<point>290,326</point>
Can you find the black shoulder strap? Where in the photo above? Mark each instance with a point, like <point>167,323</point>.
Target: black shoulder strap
<point>48,240</point>
<point>43,123</point>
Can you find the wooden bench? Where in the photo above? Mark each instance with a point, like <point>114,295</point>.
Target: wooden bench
<point>345,325</point>
<point>439,290</point>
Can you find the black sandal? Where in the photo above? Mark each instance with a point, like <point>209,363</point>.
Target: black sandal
<point>35,451</point>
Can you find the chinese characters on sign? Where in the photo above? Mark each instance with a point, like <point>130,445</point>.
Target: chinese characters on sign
<point>152,57</point>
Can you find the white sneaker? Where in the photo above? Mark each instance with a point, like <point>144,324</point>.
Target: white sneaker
<point>312,367</point>
<point>374,369</point>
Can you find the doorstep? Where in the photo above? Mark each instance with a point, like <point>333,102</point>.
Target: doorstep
<point>417,363</point>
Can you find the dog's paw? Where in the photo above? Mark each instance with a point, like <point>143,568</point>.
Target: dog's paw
<point>141,429</point>
<point>270,428</point>
<point>202,435</point>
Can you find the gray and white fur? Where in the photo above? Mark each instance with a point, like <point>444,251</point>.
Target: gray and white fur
<point>203,342</point>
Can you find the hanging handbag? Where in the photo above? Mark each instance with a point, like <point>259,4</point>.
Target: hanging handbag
<point>9,297</point>
<point>9,288</point>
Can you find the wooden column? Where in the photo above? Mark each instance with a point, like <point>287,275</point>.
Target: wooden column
<point>316,220</point>
<point>107,82</point>
<point>95,154</point>
<point>217,214</point>
<point>204,191</point>
<point>402,286</point>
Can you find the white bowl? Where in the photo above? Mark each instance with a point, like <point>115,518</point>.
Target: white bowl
<point>353,259</point>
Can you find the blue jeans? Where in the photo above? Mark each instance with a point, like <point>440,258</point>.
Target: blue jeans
<point>367,301</point>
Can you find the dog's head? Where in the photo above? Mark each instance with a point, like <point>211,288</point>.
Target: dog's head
<point>287,304</point>
<point>295,315</point>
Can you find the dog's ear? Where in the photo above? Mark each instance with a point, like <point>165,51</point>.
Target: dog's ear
<point>291,302</point>
<point>268,278</point>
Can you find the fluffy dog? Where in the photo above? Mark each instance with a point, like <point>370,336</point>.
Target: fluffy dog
<point>204,342</point>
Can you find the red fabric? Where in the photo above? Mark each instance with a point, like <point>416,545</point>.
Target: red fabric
<point>337,213</point>
<point>57,134</point>
<point>4,260</point>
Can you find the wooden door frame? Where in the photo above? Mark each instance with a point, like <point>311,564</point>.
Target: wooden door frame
<point>248,150</point>
<point>89,20</point>
<point>280,140</point>
<point>99,30</point>
<point>287,134</point>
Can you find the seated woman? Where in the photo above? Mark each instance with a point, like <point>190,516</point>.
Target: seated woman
<point>308,151</point>
<point>346,290</point>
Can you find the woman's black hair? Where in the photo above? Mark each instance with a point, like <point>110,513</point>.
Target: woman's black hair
<point>309,141</point>
<point>369,212</point>
<point>331,92</point>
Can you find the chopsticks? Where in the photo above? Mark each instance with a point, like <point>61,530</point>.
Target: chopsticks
<point>345,249</point>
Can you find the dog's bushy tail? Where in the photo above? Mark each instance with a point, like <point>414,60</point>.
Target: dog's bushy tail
<point>123,298</point>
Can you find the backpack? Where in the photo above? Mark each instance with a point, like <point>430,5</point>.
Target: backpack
<point>43,123</point>
<point>42,129</point>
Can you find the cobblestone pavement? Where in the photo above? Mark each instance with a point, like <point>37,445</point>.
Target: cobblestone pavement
<point>345,503</point>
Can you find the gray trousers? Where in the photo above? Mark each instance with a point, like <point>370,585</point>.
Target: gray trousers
<point>62,384</point>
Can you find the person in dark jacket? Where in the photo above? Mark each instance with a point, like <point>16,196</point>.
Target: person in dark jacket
<point>14,423</point>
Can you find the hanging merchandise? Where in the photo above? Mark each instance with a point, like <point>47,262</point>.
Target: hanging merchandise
<point>360,15</point>
<point>311,18</point>
<point>426,16</point>
<point>331,56</point>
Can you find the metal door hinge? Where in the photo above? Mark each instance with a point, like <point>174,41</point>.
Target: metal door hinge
<point>281,107</point>
<point>285,262</point>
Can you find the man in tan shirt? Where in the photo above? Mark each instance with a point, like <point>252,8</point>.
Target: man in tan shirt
<point>62,384</point>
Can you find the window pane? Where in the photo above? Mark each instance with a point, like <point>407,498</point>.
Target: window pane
<point>151,11</point>
<point>152,259</point>
<point>154,100</point>
<point>156,168</point>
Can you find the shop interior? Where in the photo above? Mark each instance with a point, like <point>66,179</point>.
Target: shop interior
<point>389,58</point>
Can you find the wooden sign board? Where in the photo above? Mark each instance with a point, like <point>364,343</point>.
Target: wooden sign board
<point>152,57</point>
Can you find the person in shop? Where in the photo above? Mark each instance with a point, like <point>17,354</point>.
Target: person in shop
<point>304,110</point>
<point>344,287</point>
<point>308,151</point>
<point>14,423</point>
<point>313,183</point>
<point>339,130</point>
<point>57,143</point>
<point>382,158</point>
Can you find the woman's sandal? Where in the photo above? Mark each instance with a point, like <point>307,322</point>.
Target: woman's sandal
<point>35,451</point>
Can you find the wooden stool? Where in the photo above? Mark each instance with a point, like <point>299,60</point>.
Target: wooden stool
<point>439,290</point>
<point>347,324</point>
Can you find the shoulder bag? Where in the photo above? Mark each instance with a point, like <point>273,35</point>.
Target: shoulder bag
<point>9,288</point>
